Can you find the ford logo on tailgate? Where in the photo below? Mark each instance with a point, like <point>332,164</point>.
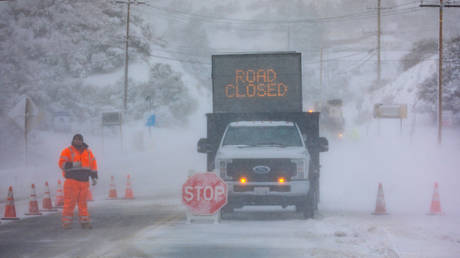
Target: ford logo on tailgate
<point>261,169</point>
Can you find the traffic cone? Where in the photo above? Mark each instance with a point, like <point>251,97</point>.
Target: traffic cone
<point>435,208</point>
<point>47,205</point>
<point>380,208</point>
<point>129,191</point>
<point>10,210</point>
<point>33,203</point>
<point>59,195</point>
<point>112,190</point>
<point>89,197</point>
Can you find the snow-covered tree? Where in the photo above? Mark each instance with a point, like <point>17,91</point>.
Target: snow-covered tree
<point>451,80</point>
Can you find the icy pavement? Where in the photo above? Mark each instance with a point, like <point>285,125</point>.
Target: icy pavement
<point>283,234</point>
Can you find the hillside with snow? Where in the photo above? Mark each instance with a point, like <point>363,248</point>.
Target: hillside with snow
<point>69,56</point>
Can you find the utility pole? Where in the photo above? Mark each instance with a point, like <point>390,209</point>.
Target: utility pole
<point>321,70</point>
<point>379,33</point>
<point>289,37</point>
<point>441,6</point>
<point>379,70</point>
<point>125,95</point>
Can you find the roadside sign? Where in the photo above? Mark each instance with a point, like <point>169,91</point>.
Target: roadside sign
<point>111,118</point>
<point>204,193</point>
<point>24,113</point>
<point>390,111</point>
<point>151,121</point>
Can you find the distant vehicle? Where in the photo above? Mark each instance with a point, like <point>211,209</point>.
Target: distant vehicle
<point>258,139</point>
<point>331,119</point>
<point>62,122</point>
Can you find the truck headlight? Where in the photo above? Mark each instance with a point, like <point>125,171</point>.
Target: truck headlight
<point>222,168</point>
<point>300,168</point>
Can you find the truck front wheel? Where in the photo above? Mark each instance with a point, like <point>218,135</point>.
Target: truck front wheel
<point>307,207</point>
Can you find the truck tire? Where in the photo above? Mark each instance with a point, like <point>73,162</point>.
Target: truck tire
<point>308,207</point>
<point>316,195</point>
<point>308,212</point>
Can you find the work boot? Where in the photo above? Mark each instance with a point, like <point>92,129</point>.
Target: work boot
<point>86,225</point>
<point>67,226</point>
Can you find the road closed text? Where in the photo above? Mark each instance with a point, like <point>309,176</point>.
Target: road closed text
<point>255,84</point>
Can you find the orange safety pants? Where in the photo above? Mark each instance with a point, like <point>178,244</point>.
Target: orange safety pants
<point>75,192</point>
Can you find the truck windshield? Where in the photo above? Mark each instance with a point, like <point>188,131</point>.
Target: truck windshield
<point>263,135</point>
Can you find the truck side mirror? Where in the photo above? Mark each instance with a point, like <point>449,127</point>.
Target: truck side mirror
<point>322,144</point>
<point>203,146</point>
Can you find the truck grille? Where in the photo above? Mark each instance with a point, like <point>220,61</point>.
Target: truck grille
<point>261,170</point>
<point>272,188</point>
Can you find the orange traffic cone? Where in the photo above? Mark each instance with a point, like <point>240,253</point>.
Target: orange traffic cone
<point>89,197</point>
<point>435,208</point>
<point>59,195</point>
<point>129,191</point>
<point>47,205</point>
<point>33,203</point>
<point>10,210</point>
<point>112,190</point>
<point>380,208</point>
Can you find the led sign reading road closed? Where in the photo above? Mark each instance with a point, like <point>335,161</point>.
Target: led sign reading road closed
<point>257,83</point>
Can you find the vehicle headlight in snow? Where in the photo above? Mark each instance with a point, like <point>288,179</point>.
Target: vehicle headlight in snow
<point>300,167</point>
<point>222,168</point>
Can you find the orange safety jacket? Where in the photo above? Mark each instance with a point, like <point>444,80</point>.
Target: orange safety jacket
<point>82,164</point>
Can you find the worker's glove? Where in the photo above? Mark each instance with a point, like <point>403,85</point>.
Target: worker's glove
<point>68,165</point>
<point>94,180</point>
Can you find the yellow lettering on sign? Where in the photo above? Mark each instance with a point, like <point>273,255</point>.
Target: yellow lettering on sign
<point>271,89</point>
<point>261,92</point>
<point>239,76</point>
<point>251,90</point>
<point>251,76</point>
<point>229,89</point>
<point>271,75</point>
<point>261,75</point>
<point>238,94</point>
<point>282,89</point>
<point>251,83</point>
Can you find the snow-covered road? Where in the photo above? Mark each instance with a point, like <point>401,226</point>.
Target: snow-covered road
<point>154,225</point>
<point>149,228</point>
<point>268,232</point>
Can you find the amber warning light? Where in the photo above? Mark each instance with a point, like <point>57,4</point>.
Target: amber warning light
<point>281,180</point>
<point>243,180</point>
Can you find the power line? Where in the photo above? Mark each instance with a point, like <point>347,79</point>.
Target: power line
<point>181,60</point>
<point>213,19</point>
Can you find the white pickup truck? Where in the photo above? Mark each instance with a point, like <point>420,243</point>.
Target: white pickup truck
<point>265,163</point>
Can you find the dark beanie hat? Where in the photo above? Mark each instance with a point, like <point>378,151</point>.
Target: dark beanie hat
<point>79,136</point>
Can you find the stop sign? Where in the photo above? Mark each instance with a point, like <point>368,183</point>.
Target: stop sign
<point>204,193</point>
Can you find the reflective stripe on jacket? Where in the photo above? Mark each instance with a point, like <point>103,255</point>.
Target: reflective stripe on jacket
<point>84,163</point>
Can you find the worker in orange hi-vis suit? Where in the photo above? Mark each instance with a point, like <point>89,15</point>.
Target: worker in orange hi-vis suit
<point>78,164</point>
